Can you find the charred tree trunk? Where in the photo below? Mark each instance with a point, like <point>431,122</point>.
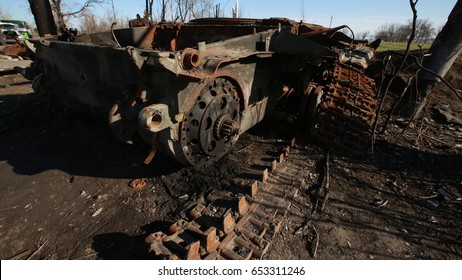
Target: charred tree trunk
<point>43,15</point>
<point>444,51</point>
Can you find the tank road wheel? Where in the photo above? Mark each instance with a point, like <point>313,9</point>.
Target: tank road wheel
<point>211,127</point>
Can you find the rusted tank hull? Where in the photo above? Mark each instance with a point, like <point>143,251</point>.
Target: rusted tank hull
<point>191,90</point>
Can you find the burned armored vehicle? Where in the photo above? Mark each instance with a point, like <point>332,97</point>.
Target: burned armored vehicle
<point>191,89</point>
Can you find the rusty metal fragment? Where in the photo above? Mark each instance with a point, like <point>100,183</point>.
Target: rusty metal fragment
<point>293,142</point>
<point>264,177</point>
<point>273,165</point>
<point>242,206</point>
<point>138,184</point>
<point>287,151</point>
<point>254,188</point>
<point>281,158</point>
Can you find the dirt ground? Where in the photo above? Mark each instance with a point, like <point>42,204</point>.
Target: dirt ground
<point>65,194</point>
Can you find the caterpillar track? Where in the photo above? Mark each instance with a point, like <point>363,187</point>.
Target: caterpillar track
<point>347,110</point>
<point>237,224</point>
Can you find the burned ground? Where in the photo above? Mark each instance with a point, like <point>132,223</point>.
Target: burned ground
<point>65,190</point>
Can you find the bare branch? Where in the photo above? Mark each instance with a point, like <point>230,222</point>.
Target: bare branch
<point>413,4</point>
<point>58,5</point>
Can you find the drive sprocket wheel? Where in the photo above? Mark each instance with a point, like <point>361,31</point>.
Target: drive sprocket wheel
<point>211,127</point>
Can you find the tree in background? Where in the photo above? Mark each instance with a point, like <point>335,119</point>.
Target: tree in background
<point>396,32</point>
<point>424,31</point>
<point>89,22</point>
<point>64,10</point>
<point>185,10</point>
<point>4,13</point>
<point>363,35</point>
<point>207,8</point>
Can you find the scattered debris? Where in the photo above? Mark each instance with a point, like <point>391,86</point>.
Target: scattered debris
<point>314,240</point>
<point>9,208</point>
<point>166,182</point>
<point>21,255</point>
<point>427,197</point>
<point>88,256</point>
<point>102,197</point>
<point>444,194</point>
<point>447,115</point>
<point>14,50</point>
<point>243,149</point>
<point>432,203</point>
<point>38,250</point>
<point>380,202</point>
<point>322,194</point>
<point>138,184</point>
<point>97,212</point>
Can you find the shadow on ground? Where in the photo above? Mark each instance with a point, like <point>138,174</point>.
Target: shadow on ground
<point>37,136</point>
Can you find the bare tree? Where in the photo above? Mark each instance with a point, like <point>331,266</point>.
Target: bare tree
<point>203,9</point>
<point>163,10</point>
<point>395,32</point>
<point>89,22</point>
<point>63,10</point>
<point>185,9</point>
<point>425,31</point>
<point>388,32</point>
<point>363,35</point>
<point>5,13</point>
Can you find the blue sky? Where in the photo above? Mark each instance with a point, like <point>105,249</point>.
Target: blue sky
<point>360,15</point>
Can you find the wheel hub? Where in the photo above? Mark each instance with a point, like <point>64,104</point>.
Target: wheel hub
<point>211,126</point>
<point>225,126</point>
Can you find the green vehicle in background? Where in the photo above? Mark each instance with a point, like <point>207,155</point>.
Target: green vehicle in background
<point>22,26</point>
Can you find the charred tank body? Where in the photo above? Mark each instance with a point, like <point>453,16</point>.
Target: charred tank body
<point>191,89</point>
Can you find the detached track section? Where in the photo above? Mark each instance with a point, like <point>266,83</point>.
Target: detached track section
<point>347,110</point>
<point>236,225</point>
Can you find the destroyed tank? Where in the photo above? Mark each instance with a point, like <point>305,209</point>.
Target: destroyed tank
<point>189,90</point>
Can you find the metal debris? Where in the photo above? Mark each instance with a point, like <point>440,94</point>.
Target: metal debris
<point>97,212</point>
<point>264,175</point>
<point>380,202</point>
<point>447,195</point>
<point>138,184</point>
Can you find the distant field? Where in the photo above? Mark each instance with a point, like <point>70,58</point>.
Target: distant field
<point>389,46</point>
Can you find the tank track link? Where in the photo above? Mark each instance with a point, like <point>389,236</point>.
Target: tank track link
<point>347,110</point>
